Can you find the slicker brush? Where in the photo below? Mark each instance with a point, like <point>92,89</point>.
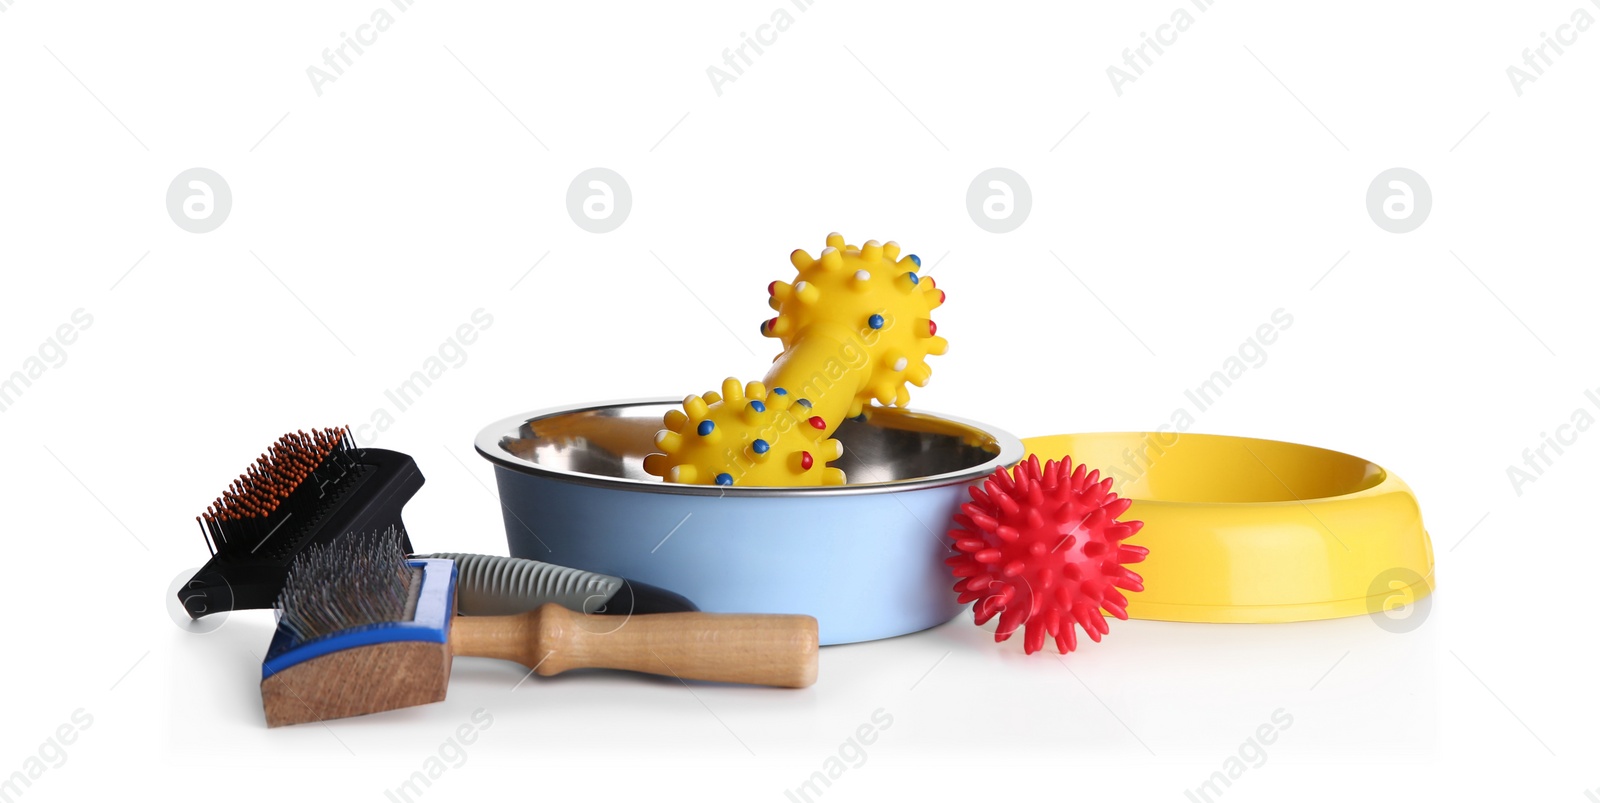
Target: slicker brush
<point>363,629</point>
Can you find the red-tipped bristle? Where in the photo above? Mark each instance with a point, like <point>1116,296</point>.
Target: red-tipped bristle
<point>270,479</point>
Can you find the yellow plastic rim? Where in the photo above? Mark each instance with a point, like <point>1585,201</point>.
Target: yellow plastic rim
<point>1244,530</point>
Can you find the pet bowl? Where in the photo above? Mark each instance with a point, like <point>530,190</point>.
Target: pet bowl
<point>866,559</point>
<point>1248,530</point>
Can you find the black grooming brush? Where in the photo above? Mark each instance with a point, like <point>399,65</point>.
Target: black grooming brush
<point>309,488</point>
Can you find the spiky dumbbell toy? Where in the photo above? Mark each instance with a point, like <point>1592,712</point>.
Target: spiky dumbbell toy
<point>855,328</point>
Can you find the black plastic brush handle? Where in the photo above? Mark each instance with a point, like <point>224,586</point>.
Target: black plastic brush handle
<point>252,575</point>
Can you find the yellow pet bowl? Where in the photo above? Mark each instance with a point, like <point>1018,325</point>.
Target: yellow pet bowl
<point>1248,530</point>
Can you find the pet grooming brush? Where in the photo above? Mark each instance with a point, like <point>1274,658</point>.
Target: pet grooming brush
<point>305,490</point>
<point>363,629</point>
<point>310,488</point>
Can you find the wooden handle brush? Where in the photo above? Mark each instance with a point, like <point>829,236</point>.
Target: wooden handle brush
<point>362,629</point>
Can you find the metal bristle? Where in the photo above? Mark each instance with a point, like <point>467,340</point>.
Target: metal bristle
<point>356,579</point>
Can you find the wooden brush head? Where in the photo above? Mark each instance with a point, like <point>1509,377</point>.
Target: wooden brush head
<point>355,681</point>
<point>361,629</point>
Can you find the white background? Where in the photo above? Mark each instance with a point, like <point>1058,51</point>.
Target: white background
<point>1167,223</point>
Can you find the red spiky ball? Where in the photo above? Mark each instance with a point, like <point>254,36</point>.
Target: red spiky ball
<point>1042,546</point>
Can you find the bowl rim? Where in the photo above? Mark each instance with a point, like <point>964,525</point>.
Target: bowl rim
<point>1388,482</point>
<point>488,446</point>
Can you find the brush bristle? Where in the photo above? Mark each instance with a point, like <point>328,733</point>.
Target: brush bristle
<point>296,475</point>
<point>356,579</point>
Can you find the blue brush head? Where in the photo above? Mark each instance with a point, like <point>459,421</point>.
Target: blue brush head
<point>345,596</point>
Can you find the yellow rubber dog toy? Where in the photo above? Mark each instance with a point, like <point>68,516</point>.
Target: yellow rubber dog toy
<point>855,328</point>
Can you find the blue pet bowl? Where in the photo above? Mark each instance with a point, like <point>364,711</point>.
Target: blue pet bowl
<point>866,559</point>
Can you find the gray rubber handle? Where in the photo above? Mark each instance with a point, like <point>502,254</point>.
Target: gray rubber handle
<point>493,585</point>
